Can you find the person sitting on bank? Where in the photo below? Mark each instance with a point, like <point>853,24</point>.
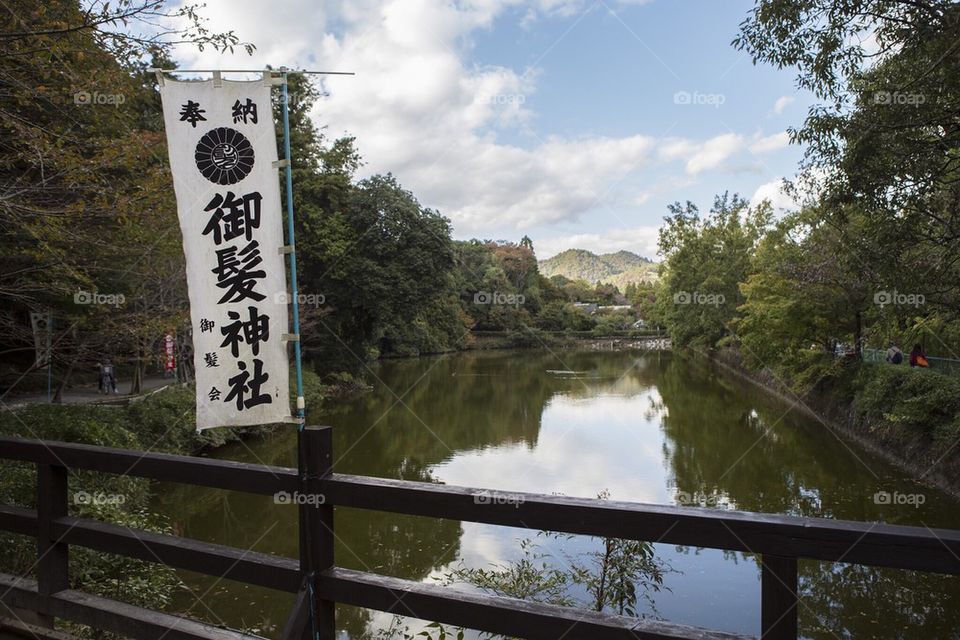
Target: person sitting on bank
<point>894,354</point>
<point>918,358</point>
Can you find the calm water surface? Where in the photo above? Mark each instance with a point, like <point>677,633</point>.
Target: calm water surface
<point>647,427</point>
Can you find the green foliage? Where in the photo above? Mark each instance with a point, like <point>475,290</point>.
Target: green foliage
<point>917,399</point>
<point>614,576</point>
<point>533,577</point>
<point>706,260</point>
<point>123,500</point>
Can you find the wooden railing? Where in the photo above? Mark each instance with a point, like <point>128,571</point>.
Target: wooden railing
<point>779,541</point>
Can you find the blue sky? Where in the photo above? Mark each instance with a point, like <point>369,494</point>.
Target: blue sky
<point>574,122</point>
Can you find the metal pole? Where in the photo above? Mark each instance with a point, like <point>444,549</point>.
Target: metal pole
<point>292,243</point>
<point>310,451</point>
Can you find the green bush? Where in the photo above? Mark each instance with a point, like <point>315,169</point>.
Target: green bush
<point>915,398</point>
<point>118,499</point>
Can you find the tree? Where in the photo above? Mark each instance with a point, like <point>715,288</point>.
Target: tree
<point>705,260</point>
<point>887,139</point>
<point>85,200</point>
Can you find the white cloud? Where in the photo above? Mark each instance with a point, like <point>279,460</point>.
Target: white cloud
<point>641,240</point>
<point>712,153</point>
<point>420,111</point>
<point>770,143</point>
<point>782,103</point>
<point>773,191</point>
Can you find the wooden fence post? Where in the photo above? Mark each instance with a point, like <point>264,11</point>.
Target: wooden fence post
<point>316,523</point>
<point>52,556</point>
<point>778,593</point>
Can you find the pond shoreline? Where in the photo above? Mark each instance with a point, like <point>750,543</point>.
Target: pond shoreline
<point>907,450</point>
<point>548,341</point>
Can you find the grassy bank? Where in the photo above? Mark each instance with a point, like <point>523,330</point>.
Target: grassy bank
<point>910,416</point>
<point>163,422</point>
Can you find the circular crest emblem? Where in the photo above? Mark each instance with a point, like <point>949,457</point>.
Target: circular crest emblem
<point>224,156</point>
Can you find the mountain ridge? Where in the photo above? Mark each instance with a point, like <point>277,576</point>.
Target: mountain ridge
<point>619,268</point>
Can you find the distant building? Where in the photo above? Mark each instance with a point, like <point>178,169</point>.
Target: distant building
<point>615,307</point>
<point>589,307</point>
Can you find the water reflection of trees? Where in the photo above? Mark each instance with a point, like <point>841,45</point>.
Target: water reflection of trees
<point>853,601</point>
<point>726,438</point>
<point>722,437</point>
<point>467,402</point>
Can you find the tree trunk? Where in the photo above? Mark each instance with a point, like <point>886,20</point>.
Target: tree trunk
<point>136,384</point>
<point>58,396</point>
<point>858,335</point>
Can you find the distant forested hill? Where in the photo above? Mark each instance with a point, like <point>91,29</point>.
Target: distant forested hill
<point>620,268</point>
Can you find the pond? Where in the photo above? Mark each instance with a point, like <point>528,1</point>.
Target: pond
<point>649,427</point>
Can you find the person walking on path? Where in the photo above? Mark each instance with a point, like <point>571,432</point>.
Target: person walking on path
<point>108,381</point>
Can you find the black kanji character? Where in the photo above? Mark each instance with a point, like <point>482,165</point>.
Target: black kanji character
<point>243,110</point>
<point>213,394</point>
<point>190,112</point>
<point>210,359</point>
<point>235,272</point>
<point>206,325</point>
<point>252,332</point>
<point>243,382</point>
<point>241,217</point>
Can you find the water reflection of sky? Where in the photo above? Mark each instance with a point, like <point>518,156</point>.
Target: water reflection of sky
<point>584,446</point>
<point>613,442</point>
<point>647,428</point>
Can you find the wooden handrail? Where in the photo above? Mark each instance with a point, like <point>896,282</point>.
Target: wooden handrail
<point>779,541</point>
<point>876,544</point>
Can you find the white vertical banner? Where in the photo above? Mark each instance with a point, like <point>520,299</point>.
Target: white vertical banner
<point>223,148</point>
<point>41,336</point>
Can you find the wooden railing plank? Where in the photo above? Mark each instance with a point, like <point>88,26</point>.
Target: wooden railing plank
<point>53,554</point>
<point>897,546</point>
<point>778,598</point>
<point>251,567</point>
<point>110,615</point>
<point>496,614</point>
<point>316,526</point>
<point>204,472</point>
<point>18,520</point>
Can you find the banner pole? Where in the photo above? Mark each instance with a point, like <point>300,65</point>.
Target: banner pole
<point>292,243</point>
<point>304,462</point>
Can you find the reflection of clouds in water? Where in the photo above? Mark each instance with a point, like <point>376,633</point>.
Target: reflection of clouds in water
<point>584,446</point>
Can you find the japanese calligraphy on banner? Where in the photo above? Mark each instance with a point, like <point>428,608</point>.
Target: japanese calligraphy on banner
<point>222,148</point>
